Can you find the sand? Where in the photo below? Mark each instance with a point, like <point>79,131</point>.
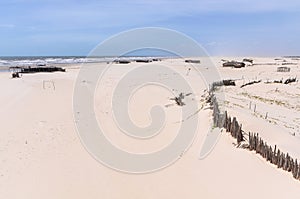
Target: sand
<point>41,154</point>
<point>270,109</point>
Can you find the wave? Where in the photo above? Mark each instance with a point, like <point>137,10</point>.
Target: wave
<point>33,61</point>
<point>29,61</point>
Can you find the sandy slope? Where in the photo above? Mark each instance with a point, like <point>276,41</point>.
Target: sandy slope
<point>270,109</point>
<point>41,155</point>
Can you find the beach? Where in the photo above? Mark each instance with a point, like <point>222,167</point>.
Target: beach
<point>42,155</point>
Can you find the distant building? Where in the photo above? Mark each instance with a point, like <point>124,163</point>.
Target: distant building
<point>234,64</point>
<point>283,69</point>
<point>248,60</point>
<point>192,61</point>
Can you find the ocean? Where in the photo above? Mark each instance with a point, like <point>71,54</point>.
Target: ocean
<point>6,62</point>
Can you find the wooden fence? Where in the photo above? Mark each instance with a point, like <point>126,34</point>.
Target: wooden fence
<point>254,142</point>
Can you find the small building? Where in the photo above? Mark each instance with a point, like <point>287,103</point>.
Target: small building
<point>122,61</point>
<point>248,60</point>
<point>143,60</point>
<point>283,69</point>
<point>42,69</point>
<point>234,64</point>
<point>192,61</point>
<point>15,69</point>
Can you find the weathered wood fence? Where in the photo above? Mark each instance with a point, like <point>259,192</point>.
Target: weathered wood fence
<point>254,142</point>
<point>222,120</point>
<point>274,156</point>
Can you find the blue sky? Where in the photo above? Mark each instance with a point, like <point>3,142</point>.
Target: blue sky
<point>223,27</point>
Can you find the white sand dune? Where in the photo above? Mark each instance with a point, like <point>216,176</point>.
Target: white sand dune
<point>41,155</point>
<point>272,109</point>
